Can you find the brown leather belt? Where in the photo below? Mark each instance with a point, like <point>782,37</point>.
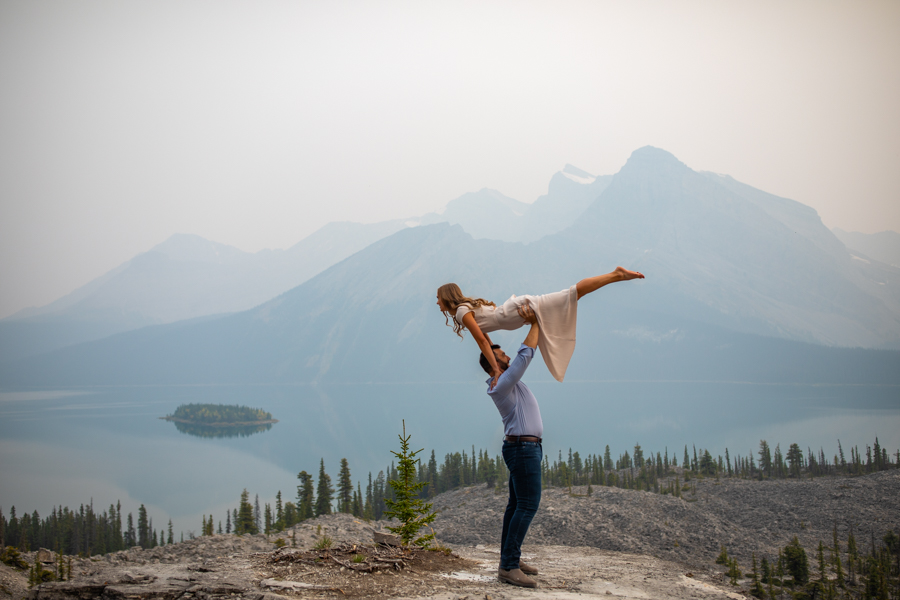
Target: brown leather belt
<point>522,438</point>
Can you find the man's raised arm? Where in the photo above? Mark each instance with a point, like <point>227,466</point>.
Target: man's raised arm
<point>531,339</point>
<point>517,366</point>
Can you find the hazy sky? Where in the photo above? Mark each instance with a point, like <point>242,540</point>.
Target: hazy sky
<point>255,123</point>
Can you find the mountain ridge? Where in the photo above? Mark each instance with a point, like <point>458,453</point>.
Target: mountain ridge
<point>722,271</point>
<point>187,276</point>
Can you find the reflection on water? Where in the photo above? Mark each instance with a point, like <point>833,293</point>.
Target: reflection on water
<point>57,448</point>
<point>212,431</point>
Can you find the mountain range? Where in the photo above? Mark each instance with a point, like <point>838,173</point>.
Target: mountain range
<point>187,277</point>
<point>741,285</point>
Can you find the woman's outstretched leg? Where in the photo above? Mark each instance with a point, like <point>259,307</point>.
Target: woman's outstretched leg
<point>592,284</point>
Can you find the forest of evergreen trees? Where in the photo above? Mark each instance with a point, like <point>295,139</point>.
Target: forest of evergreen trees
<point>88,532</point>
<point>84,532</point>
<point>845,571</point>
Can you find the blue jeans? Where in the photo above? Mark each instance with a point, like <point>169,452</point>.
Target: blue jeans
<point>523,459</point>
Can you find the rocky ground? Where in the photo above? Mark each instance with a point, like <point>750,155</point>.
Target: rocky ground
<point>612,543</point>
<point>745,516</point>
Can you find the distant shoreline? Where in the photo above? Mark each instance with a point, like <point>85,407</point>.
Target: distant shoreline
<point>217,424</point>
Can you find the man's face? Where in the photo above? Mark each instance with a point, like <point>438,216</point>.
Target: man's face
<point>502,358</point>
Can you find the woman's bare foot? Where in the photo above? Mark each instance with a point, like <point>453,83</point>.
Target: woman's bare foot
<point>626,274</point>
<point>592,284</point>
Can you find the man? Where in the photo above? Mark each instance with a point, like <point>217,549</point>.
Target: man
<point>522,451</point>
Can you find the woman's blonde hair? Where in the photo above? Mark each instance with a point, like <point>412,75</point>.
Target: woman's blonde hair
<point>452,297</point>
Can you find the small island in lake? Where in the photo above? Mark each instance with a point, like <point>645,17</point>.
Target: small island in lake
<point>220,420</point>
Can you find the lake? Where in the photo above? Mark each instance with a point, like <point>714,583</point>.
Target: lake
<point>67,447</point>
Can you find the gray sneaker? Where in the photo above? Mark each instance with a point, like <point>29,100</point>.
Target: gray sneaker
<point>516,577</point>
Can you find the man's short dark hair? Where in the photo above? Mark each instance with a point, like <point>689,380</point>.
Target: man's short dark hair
<point>483,361</point>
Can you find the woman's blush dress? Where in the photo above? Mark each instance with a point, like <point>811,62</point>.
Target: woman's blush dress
<point>556,315</point>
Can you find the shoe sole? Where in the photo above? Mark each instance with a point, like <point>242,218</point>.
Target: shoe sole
<point>516,583</point>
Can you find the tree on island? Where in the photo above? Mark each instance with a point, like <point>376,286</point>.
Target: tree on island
<point>219,413</point>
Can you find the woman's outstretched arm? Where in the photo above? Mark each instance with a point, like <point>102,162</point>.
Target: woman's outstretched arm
<point>484,343</point>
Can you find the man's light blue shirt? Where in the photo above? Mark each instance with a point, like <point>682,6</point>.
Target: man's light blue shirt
<point>517,405</point>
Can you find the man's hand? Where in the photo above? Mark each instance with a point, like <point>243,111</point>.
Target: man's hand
<point>525,311</point>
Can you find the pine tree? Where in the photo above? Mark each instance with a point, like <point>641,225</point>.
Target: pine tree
<point>638,456</point>
<point>171,538</point>
<point>836,559</point>
<point>796,562</point>
<point>118,523</point>
<point>345,488</point>
<point>779,568</point>
<point>369,508</point>
<point>756,588</point>
<point>60,565</point>
<point>245,523</point>
<point>130,535</point>
<point>257,515</point>
<point>324,491</point>
<point>765,458</point>
<point>432,477</point>
<point>305,496</point>
<point>279,512</point>
<point>707,465</point>
<point>143,528</point>
<point>290,514</point>
<point>734,572</point>
<point>357,501</point>
<point>841,455</point>
<point>852,558</point>
<point>795,460</point>
<point>878,465</point>
<point>408,508</point>
<point>820,558</point>
<point>378,495</point>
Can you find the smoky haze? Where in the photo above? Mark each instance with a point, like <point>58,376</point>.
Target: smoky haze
<point>254,124</point>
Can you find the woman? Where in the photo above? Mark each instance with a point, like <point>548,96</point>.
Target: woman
<point>556,315</point>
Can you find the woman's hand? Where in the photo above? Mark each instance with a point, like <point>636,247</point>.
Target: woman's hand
<point>484,345</point>
<point>495,376</point>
